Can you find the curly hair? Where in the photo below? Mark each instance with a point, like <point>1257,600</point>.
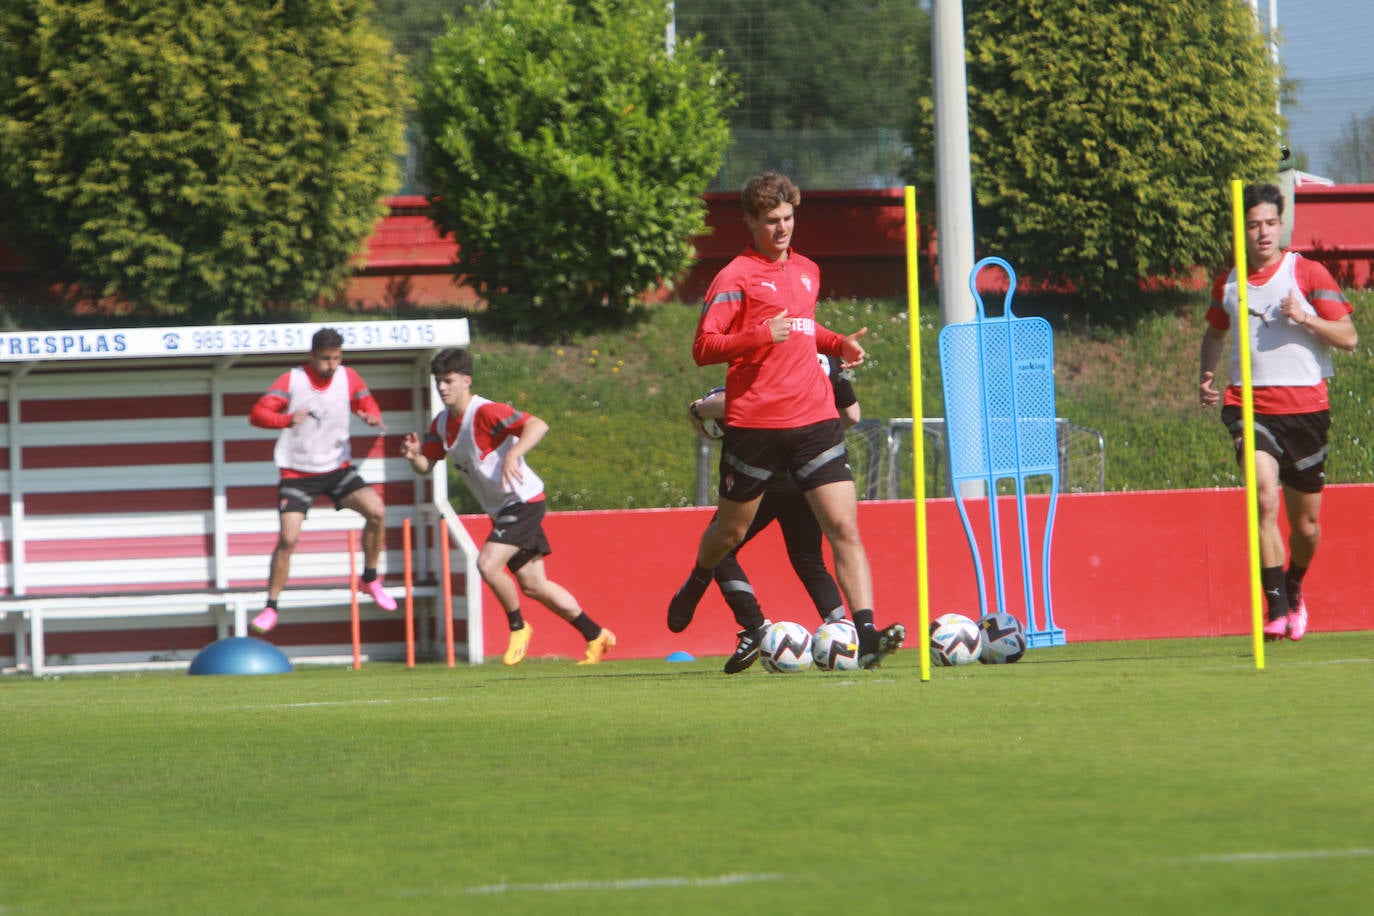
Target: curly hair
<point>764,192</point>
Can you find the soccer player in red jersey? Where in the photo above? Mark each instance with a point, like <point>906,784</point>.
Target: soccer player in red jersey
<point>312,406</point>
<point>783,502</point>
<point>1297,316</point>
<point>486,442</point>
<point>780,415</point>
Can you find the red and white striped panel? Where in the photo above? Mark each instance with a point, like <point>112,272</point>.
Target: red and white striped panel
<point>118,481</point>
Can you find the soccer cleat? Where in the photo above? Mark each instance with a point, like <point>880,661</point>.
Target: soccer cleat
<point>264,621</point>
<point>597,648</point>
<point>1276,628</point>
<point>378,594</point>
<point>746,650</point>
<point>880,644</point>
<point>684,604</point>
<point>1297,621</point>
<point>519,644</point>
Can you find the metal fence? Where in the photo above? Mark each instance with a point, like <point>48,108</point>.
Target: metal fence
<point>880,454</point>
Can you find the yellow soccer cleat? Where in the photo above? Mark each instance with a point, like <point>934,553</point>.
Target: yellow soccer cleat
<point>519,644</point>
<point>597,648</point>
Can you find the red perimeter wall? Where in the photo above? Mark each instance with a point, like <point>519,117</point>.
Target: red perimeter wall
<point>1124,566</point>
<point>858,237</point>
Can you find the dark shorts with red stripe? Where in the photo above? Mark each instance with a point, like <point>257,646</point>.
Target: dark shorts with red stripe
<point>1298,442</point>
<point>814,455</point>
<point>297,494</point>
<point>521,525</point>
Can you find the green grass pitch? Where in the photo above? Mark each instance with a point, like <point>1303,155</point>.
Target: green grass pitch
<point>1135,777</point>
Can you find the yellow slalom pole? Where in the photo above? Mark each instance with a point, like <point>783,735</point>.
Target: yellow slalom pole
<point>918,451</point>
<point>1247,416</point>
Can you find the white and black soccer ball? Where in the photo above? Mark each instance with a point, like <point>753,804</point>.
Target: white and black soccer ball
<point>955,640</point>
<point>785,648</point>
<point>1004,639</point>
<point>835,646</point>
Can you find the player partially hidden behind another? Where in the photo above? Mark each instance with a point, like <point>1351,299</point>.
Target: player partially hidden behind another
<point>760,318</point>
<point>1297,314</point>
<point>784,502</point>
<point>312,406</point>
<point>487,442</point>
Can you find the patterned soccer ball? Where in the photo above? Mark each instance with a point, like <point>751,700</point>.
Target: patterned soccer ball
<point>835,646</point>
<point>786,647</point>
<point>1004,639</point>
<point>955,640</point>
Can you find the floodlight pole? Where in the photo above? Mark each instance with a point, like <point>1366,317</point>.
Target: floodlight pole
<point>953,179</point>
<point>953,182</point>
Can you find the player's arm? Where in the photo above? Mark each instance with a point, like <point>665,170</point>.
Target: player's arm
<point>270,410</point>
<point>424,454</point>
<point>1334,332</point>
<point>1213,343</point>
<point>846,347</point>
<point>846,398</point>
<point>528,429</point>
<point>716,340</point>
<point>365,406</point>
<point>420,463</point>
<point>850,415</point>
<point>710,406</point>
<point>1331,324</point>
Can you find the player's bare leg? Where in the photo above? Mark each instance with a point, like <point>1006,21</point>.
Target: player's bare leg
<point>279,568</point>
<point>724,534</point>
<point>1271,547</point>
<point>491,565</point>
<point>1305,533</point>
<point>368,503</point>
<point>836,506</point>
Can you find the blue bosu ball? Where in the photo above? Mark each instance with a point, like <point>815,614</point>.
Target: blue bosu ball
<point>240,655</point>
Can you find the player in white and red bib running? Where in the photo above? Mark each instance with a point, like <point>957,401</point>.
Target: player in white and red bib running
<point>313,405</point>
<point>760,318</point>
<point>1296,315</point>
<point>486,442</point>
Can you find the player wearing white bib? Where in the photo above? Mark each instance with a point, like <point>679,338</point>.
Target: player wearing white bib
<point>487,442</point>
<point>313,405</point>
<point>1296,314</point>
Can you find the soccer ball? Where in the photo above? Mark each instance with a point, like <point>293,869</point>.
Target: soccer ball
<point>786,647</point>
<point>835,646</point>
<point>1004,639</point>
<point>955,640</point>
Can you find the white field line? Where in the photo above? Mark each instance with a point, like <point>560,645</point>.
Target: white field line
<point>1292,662</point>
<point>342,703</point>
<point>626,884</point>
<point>1280,856</point>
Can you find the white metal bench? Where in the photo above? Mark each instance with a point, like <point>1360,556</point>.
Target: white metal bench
<point>228,610</point>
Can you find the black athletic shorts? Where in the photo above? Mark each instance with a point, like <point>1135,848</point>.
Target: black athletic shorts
<point>1298,442</point>
<point>297,494</point>
<point>521,525</point>
<point>815,455</point>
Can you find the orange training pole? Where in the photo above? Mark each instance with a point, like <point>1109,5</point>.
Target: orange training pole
<point>353,598</point>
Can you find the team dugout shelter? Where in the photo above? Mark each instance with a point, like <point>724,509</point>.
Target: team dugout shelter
<point>138,504</point>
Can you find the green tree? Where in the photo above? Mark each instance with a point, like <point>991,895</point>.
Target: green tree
<point>568,152</point>
<point>1104,136</point>
<point>200,160</point>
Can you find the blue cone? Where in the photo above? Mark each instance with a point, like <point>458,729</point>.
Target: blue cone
<point>240,655</point>
<point>680,656</point>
